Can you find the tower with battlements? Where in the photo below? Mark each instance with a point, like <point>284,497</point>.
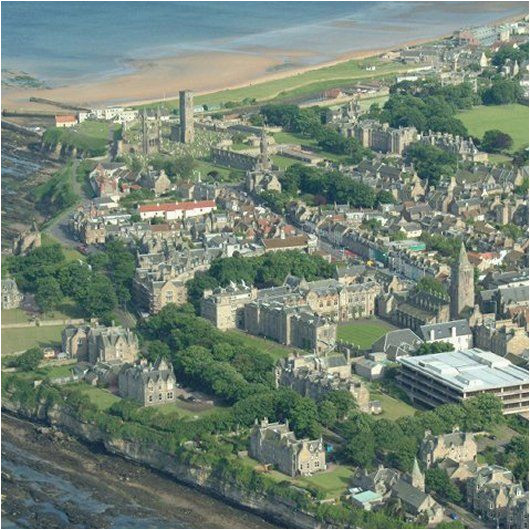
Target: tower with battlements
<point>186,116</point>
<point>462,290</point>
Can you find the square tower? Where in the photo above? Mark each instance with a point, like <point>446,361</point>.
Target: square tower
<point>186,116</point>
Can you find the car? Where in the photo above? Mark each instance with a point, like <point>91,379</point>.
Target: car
<point>492,437</point>
<point>454,516</point>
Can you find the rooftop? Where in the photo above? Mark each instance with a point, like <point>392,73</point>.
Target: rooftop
<point>468,370</point>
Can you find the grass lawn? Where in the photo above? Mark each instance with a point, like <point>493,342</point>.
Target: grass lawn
<point>99,396</point>
<point>393,408</point>
<point>273,348</point>
<point>189,410</point>
<point>14,316</point>
<point>49,369</point>
<point>363,333</point>
<point>283,162</point>
<point>90,136</point>
<point>20,339</point>
<point>204,167</point>
<point>511,119</point>
<point>332,482</point>
<point>311,143</point>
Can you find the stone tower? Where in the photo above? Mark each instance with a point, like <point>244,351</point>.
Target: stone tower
<point>264,160</point>
<point>462,291</point>
<point>186,116</point>
<point>416,478</point>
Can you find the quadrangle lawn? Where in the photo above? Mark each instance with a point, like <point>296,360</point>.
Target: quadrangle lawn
<point>19,339</point>
<point>363,332</point>
<point>511,119</point>
<point>393,408</point>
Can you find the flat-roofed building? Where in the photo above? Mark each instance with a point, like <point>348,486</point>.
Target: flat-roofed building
<point>451,377</point>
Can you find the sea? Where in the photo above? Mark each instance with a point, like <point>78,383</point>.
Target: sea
<point>61,42</point>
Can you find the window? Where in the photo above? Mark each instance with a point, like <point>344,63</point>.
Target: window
<point>159,397</point>
<point>169,296</point>
<point>170,395</point>
<point>150,398</point>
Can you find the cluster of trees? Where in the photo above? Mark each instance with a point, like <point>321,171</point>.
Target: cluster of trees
<point>27,361</point>
<point>267,270</point>
<point>174,166</point>
<point>431,285</point>
<point>97,288</point>
<point>502,92</point>
<point>430,162</point>
<point>433,347</point>
<point>309,122</point>
<point>426,105</point>
<point>506,52</point>
<point>446,246</point>
<point>495,141</point>
<point>396,443</point>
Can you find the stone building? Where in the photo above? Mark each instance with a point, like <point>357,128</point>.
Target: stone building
<point>11,296</point>
<point>503,337</point>
<point>95,343</point>
<point>457,145</point>
<point>462,287</point>
<point>156,181</point>
<point>457,446</point>
<point>148,384</point>
<point>187,128</point>
<point>495,496</point>
<point>274,444</point>
<point>314,376</point>
<point>381,137</point>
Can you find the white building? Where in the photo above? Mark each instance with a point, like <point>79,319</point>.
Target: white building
<point>176,210</point>
<point>457,333</point>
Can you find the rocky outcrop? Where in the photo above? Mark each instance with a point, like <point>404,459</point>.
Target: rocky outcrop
<point>273,508</point>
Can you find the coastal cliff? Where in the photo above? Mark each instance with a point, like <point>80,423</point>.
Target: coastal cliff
<point>201,477</point>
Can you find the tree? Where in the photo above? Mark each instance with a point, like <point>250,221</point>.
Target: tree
<point>360,449</point>
<point>483,412</point>
<point>101,298</point>
<point>29,360</point>
<point>502,92</point>
<point>495,141</point>
<point>431,285</point>
<point>327,413</point>
<point>48,294</point>
<point>438,481</point>
<point>428,348</point>
<point>430,162</point>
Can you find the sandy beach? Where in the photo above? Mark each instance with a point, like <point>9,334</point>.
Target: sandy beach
<point>156,80</point>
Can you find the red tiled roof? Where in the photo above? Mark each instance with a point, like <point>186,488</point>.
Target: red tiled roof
<point>65,118</point>
<point>173,206</point>
<point>296,241</point>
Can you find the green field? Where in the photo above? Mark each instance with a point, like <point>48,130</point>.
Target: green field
<point>511,119</point>
<point>51,370</point>
<point>332,482</point>
<point>20,339</point>
<point>188,409</point>
<point>14,316</point>
<point>393,408</point>
<point>363,333</point>
<point>311,143</point>
<point>226,174</point>
<point>90,136</point>
<point>273,348</point>
<point>99,396</point>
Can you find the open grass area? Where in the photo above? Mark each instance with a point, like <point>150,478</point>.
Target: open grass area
<point>90,137</point>
<point>511,119</point>
<point>14,316</point>
<point>49,369</point>
<point>393,408</point>
<point>226,174</point>
<point>273,348</point>
<point>101,397</point>
<point>363,332</point>
<point>188,410</point>
<point>20,339</point>
<point>311,143</point>
<point>283,162</point>
<point>332,483</point>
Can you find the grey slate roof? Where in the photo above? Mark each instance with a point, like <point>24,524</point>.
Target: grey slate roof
<point>443,330</point>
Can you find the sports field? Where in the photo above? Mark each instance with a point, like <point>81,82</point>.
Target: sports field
<point>20,339</point>
<point>511,119</point>
<point>363,333</point>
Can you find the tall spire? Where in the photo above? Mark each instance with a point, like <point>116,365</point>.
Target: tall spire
<point>462,256</point>
<point>417,478</point>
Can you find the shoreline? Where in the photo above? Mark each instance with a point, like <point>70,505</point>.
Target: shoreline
<point>159,80</point>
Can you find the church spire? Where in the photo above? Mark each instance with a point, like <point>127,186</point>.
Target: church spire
<point>417,479</point>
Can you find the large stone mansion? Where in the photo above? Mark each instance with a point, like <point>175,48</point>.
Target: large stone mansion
<point>275,444</point>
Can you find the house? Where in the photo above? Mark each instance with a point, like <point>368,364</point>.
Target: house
<point>397,343</point>
<point>456,332</point>
<point>369,369</point>
<point>11,296</point>
<point>176,210</point>
<point>458,446</point>
<point>65,120</point>
<point>274,444</point>
<point>156,181</point>
<point>95,343</point>
<point>148,384</point>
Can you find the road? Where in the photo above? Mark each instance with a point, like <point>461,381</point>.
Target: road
<point>469,519</point>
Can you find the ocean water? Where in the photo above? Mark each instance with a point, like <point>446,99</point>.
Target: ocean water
<point>61,42</point>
